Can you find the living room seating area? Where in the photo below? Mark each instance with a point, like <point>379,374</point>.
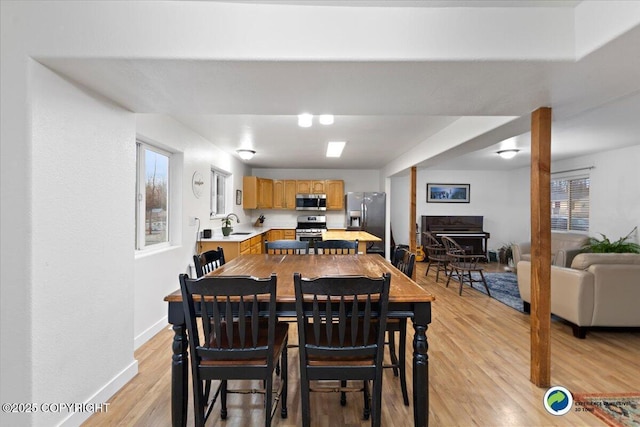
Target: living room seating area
<point>599,289</point>
<point>564,247</point>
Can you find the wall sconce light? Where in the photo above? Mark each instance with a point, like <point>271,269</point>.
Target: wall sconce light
<point>245,153</point>
<point>508,154</point>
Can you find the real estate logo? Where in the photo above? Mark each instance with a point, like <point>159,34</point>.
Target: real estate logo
<point>558,400</point>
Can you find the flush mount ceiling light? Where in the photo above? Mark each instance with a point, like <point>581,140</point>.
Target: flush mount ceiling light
<point>326,119</point>
<point>508,154</point>
<point>245,153</point>
<point>305,120</point>
<point>334,148</point>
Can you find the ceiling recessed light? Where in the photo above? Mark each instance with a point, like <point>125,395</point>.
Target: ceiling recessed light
<point>305,120</point>
<point>245,153</point>
<point>334,148</point>
<point>326,119</point>
<point>508,154</point>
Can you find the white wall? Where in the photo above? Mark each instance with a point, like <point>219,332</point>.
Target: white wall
<point>82,290</point>
<point>488,198</point>
<point>54,134</point>
<point>503,198</point>
<point>614,194</point>
<point>156,273</point>
<point>399,208</point>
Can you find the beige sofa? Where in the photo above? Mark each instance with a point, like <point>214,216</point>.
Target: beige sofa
<point>564,246</point>
<point>598,290</point>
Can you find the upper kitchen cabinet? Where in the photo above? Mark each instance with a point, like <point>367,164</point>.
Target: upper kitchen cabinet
<point>284,193</point>
<point>257,193</point>
<point>311,187</point>
<point>335,194</point>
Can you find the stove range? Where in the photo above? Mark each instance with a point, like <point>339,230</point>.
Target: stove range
<point>310,227</point>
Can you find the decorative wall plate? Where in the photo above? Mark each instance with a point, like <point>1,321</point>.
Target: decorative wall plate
<point>197,184</point>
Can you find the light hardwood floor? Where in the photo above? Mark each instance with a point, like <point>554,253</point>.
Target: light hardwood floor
<point>478,374</point>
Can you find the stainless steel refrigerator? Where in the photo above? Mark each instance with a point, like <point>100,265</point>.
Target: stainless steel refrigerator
<point>366,212</point>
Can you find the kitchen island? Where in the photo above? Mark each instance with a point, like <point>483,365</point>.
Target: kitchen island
<point>362,237</point>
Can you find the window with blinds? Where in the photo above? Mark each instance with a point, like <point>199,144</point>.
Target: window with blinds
<point>570,204</point>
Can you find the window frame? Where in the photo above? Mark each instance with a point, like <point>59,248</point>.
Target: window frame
<point>571,208</point>
<point>140,224</point>
<point>214,175</point>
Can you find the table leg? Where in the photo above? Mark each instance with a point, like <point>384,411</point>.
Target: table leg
<point>179,377</point>
<point>421,319</point>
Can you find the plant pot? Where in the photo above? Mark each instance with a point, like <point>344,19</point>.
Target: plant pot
<point>226,230</point>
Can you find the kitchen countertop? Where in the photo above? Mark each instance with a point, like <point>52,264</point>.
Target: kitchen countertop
<point>362,236</point>
<point>252,232</point>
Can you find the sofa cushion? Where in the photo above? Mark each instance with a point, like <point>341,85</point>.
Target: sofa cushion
<point>585,260</point>
<point>563,240</point>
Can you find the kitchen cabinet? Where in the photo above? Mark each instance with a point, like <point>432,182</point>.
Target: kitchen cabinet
<point>281,234</point>
<point>232,249</point>
<point>256,244</point>
<point>257,193</point>
<point>284,193</point>
<point>263,193</point>
<point>273,235</point>
<point>335,194</point>
<point>310,186</point>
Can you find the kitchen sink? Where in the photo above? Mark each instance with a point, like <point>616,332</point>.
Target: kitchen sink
<point>241,233</point>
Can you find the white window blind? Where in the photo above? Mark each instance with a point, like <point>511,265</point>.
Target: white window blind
<point>570,204</point>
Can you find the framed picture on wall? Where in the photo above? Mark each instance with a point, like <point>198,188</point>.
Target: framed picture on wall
<point>448,193</point>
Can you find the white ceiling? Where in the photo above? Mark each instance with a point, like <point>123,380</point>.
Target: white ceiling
<point>385,108</point>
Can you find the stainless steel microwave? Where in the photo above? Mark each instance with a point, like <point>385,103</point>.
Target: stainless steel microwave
<point>311,202</point>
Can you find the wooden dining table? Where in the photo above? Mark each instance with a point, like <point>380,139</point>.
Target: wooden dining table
<point>406,300</point>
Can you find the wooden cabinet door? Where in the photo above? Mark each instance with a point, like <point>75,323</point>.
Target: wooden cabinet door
<point>317,187</point>
<point>304,187</point>
<point>249,192</point>
<point>279,201</point>
<point>275,235</point>
<point>265,193</point>
<point>256,244</point>
<point>335,194</point>
<point>290,189</point>
<point>284,193</point>
<point>289,234</point>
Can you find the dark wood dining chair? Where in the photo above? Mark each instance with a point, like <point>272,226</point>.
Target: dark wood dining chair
<point>208,261</point>
<point>436,254</point>
<point>283,247</point>
<point>462,265</point>
<point>405,262</point>
<point>341,328</point>
<point>336,247</point>
<point>239,339</point>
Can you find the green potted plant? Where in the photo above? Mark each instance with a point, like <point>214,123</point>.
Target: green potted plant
<point>604,245</point>
<point>226,224</point>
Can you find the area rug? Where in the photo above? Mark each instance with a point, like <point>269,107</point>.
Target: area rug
<point>615,410</point>
<point>503,287</point>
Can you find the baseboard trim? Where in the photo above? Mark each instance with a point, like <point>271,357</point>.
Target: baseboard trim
<point>102,396</point>
<point>150,332</point>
